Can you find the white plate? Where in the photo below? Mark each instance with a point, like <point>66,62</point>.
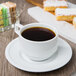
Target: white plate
<point>16,58</point>
<point>64,28</point>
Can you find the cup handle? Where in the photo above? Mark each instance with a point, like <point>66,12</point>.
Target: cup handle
<point>18,28</point>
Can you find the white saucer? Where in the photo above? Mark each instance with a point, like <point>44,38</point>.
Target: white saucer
<point>16,58</point>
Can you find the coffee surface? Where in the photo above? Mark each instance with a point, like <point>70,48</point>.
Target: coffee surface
<point>38,34</point>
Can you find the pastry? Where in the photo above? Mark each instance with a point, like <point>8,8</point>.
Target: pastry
<point>65,14</point>
<point>74,22</point>
<point>51,5</point>
<point>36,2</point>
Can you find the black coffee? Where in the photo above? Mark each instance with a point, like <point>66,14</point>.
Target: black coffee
<point>38,34</point>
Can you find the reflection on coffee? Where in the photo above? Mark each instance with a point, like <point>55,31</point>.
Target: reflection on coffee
<point>38,34</point>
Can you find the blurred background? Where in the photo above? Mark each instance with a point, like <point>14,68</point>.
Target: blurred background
<point>73,1</point>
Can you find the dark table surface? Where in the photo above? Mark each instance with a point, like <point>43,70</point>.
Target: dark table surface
<point>6,69</point>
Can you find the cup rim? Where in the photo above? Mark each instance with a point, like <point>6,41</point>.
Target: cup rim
<point>56,32</point>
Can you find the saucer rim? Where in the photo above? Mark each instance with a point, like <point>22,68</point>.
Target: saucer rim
<point>15,65</point>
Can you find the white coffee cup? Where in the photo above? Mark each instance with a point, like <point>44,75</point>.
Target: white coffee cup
<point>35,50</point>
